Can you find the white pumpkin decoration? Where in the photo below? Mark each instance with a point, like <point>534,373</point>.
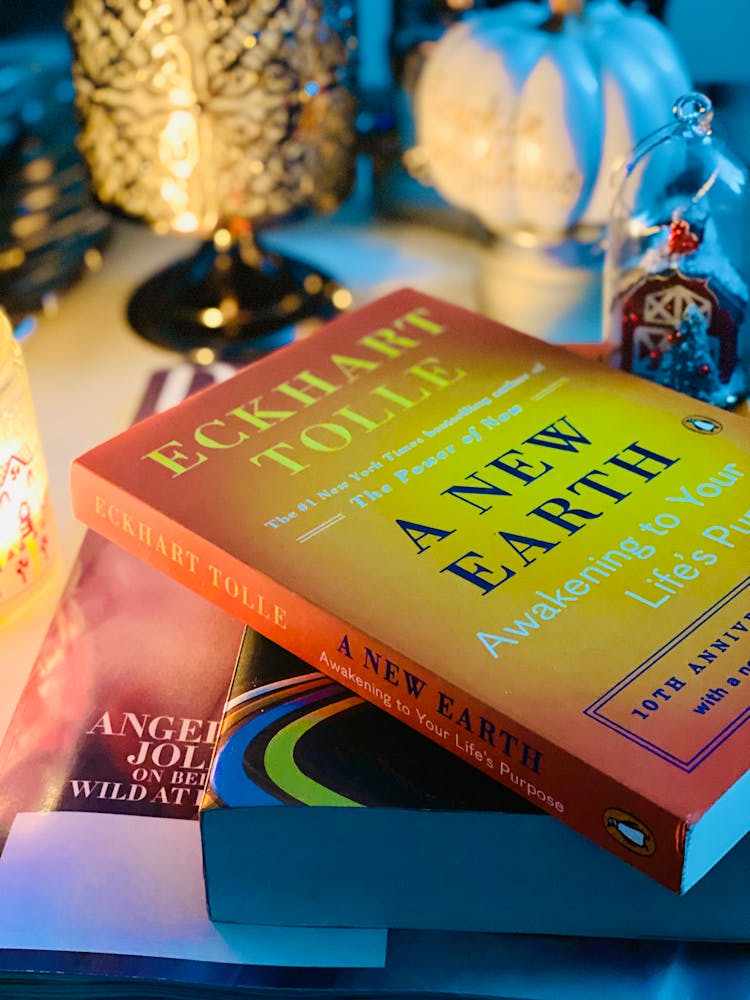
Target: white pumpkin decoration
<point>521,112</point>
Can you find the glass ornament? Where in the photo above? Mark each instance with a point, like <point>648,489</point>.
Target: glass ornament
<point>675,288</point>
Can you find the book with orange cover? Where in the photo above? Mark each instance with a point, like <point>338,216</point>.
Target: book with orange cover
<point>536,560</point>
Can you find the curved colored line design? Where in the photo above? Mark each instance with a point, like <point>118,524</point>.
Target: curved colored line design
<point>231,782</point>
<point>282,770</point>
<point>274,687</point>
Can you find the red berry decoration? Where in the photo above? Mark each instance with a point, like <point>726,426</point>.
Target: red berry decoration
<point>703,370</point>
<point>682,240</point>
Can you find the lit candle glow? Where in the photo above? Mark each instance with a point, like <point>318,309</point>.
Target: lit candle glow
<point>26,527</point>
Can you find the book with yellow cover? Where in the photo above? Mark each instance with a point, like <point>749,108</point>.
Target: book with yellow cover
<point>536,560</point>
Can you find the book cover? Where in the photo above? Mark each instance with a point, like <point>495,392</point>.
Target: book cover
<point>538,561</point>
<point>101,773</point>
<point>360,821</point>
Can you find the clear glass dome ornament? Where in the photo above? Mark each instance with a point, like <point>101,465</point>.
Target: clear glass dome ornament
<point>676,266</point>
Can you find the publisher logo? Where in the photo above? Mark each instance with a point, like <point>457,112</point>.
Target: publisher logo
<point>702,425</point>
<point>628,830</point>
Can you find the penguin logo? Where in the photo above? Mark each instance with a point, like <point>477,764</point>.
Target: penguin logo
<point>702,425</point>
<point>628,831</point>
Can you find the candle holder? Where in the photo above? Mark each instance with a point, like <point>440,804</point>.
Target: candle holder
<point>219,119</point>
<point>27,540</point>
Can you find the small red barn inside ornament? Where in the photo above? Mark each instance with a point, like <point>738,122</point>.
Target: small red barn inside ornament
<point>653,313</point>
<point>676,295</point>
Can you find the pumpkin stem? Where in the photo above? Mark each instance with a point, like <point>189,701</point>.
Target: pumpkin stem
<point>561,8</point>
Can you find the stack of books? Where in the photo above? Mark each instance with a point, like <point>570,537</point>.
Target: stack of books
<point>478,605</point>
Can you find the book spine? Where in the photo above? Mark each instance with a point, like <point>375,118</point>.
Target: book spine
<point>640,832</point>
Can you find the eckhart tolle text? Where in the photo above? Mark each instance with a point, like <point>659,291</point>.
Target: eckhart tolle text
<point>338,428</point>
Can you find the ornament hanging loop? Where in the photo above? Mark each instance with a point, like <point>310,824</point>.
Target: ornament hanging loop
<point>695,112</point>
<point>693,115</point>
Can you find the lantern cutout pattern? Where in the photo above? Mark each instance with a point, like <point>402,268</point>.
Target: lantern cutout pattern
<point>26,527</point>
<point>217,120</point>
<point>521,112</point>
<point>676,266</point>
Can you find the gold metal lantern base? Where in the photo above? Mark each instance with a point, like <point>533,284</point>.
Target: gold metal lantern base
<point>232,302</point>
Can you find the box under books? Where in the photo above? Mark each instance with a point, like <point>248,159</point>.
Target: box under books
<point>322,810</point>
<point>537,561</point>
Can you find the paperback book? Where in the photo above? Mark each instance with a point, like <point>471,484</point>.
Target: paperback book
<point>101,773</point>
<point>359,820</point>
<point>101,887</point>
<point>536,560</point>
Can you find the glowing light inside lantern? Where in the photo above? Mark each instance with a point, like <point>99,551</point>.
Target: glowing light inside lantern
<point>186,222</point>
<point>178,146</point>
<point>181,97</point>
<point>179,153</point>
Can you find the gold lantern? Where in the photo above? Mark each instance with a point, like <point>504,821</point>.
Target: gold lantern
<point>216,119</point>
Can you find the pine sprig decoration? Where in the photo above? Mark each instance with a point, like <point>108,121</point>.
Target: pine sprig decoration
<point>689,365</point>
